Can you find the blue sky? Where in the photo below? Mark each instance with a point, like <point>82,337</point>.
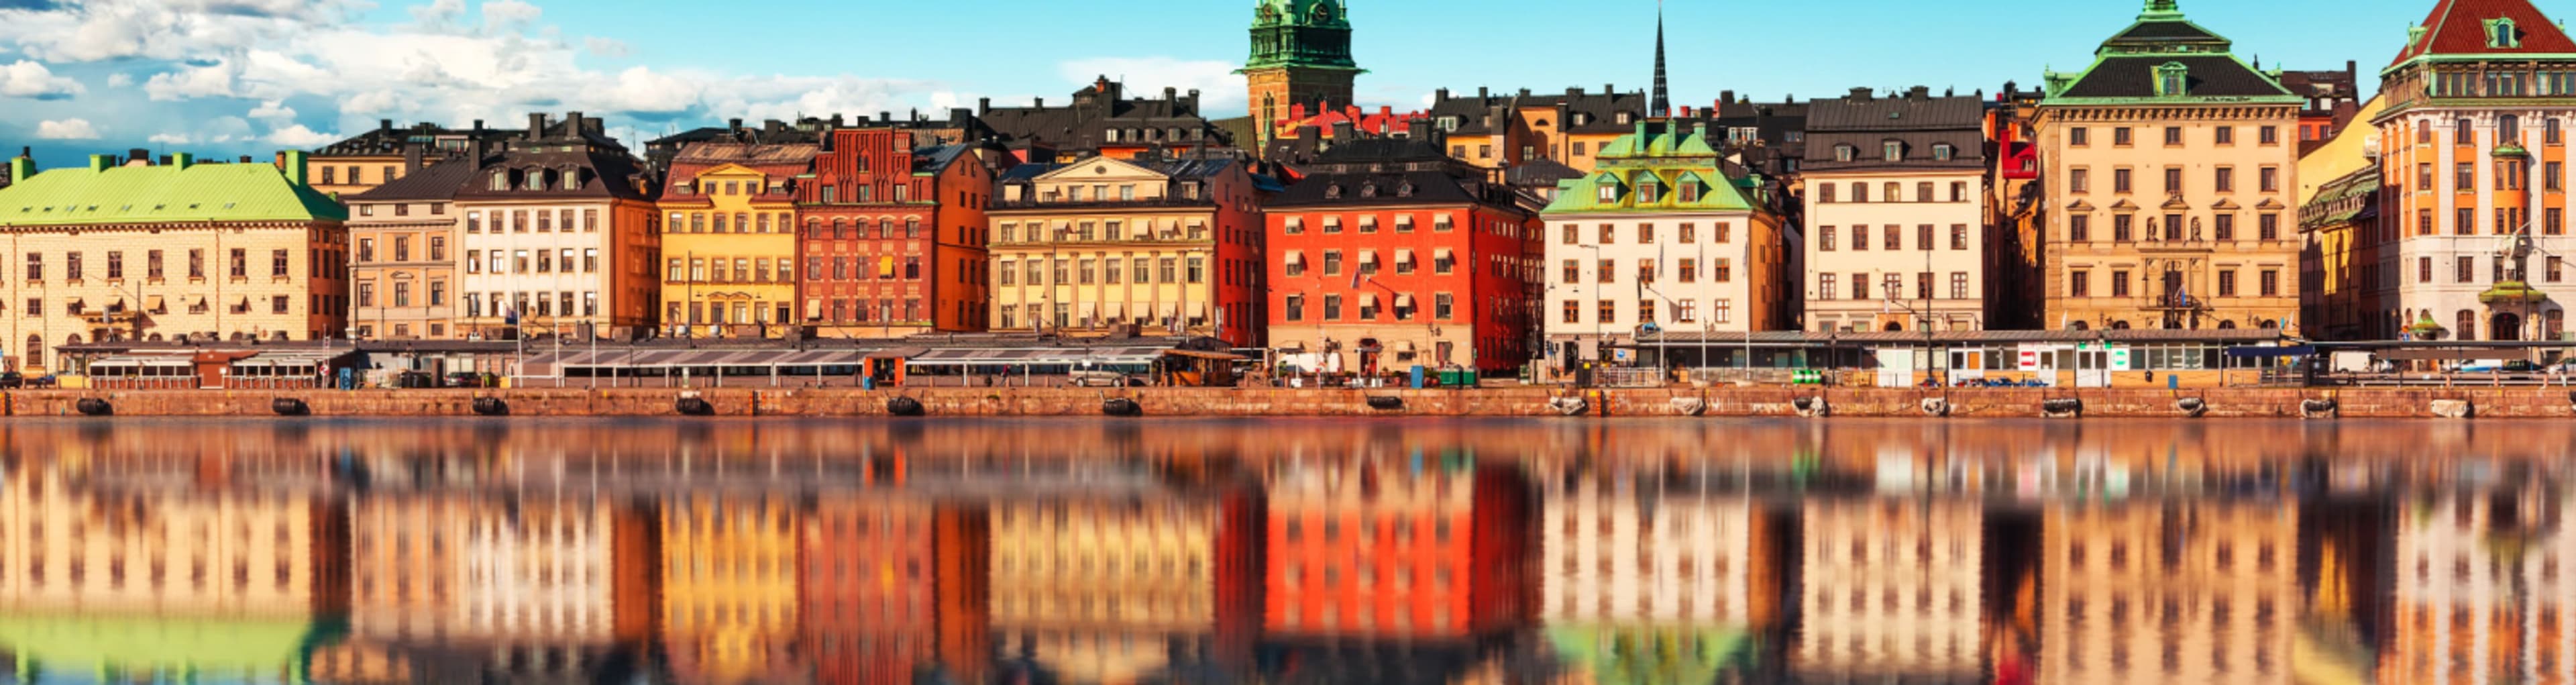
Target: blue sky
<point>232,77</point>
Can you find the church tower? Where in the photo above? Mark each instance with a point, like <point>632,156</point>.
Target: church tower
<point>1301,55</point>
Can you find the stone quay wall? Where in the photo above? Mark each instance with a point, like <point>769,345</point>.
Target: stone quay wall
<point>2112,403</point>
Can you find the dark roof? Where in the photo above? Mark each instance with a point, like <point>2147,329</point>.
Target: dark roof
<point>2133,76</point>
<point>1101,107</point>
<point>1427,187</point>
<point>1597,112</point>
<point>387,140</point>
<point>1538,173</point>
<point>613,173</point>
<point>2458,27</point>
<point>438,181</point>
<point>1916,118</point>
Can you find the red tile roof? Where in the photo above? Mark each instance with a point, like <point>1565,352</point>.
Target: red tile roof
<point>2458,27</point>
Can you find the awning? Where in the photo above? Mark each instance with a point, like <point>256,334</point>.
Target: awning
<point>2266,352</point>
<point>153,303</point>
<point>1404,301</point>
<point>142,361</point>
<point>1403,256</point>
<point>1368,257</point>
<point>1295,257</point>
<point>1043,356</point>
<point>1368,300</point>
<point>813,309</point>
<point>1196,354</point>
<point>1442,254</point>
<point>1296,223</point>
<point>2446,354</point>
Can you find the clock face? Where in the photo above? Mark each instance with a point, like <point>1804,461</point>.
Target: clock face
<point>1323,12</point>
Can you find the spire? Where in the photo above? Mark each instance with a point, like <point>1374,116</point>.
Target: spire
<point>1663,103</point>
<point>2162,9</point>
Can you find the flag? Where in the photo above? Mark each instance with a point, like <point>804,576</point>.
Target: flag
<point>1355,279</point>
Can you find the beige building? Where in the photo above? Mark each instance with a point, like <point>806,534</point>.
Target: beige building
<point>1895,206</point>
<point>2173,172</point>
<point>185,250</point>
<point>365,161</point>
<point>2147,593</point>
<point>1097,589</point>
<point>1103,245</point>
<point>403,237</point>
<point>1612,561</point>
<point>1891,590</point>
<point>561,237</point>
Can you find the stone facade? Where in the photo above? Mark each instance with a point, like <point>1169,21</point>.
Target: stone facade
<point>729,239</point>
<point>1107,245</point>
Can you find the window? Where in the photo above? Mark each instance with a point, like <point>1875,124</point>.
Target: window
<point>277,263</point>
<point>2120,180</point>
<point>2423,269</point>
<point>1608,310</point>
<point>2462,132</point>
<point>1687,270</point>
<point>2120,136</point>
<point>1892,151</point>
<point>2227,283</point>
<point>2555,271</point>
<point>1609,234</point>
<point>2119,283</point>
<point>1825,286</point>
<point>1573,312</point>
<point>1645,312</point>
<point>1332,307</point>
<point>2466,223</point>
<point>1645,234</point>
<point>1295,308</point>
<point>1332,264</point>
<point>2423,175</point>
<point>1721,270</point>
<point>2270,135</point>
<point>2271,179</point>
<point>2123,228</point>
<point>1825,239</point>
<point>1895,238</point>
<point>2173,181</point>
<point>2553,221</point>
<point>2079,228</point>
<point>1646,271</point>
<point>2225,227</point>
<point>2271,283</point>
<point>1605,271</point>
<point>2078,180</point>
<point>1943,151</point>
<point>1860,192</point>
<point>2552,175</point>
<point>2268,227</point>
<point>2464,270</point>
<point>2173,135</point>
<point>2226,179</point>
<point>2224,135</point>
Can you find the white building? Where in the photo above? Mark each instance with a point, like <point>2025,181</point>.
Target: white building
<point>1896,213</point>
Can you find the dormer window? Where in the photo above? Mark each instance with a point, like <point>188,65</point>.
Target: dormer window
<point>1368,190</point>
<point>1944,151</point>
<point>2501,34</point>
<point>1689,190</point>
<point>1893,151</point>
<point>1609,188</point>
<point>2173,80</point>
<point>1845,153</point>
<point>1623,118</point>
<point>1648,192</point>
<point>1405,190</point>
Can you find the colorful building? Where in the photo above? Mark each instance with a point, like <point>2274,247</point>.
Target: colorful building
<point>1634,561</point>
<point>1391,255</point>
<point>1108,245</point>
<point>1103,121</point>
<point>894,236</point>
<point>2174,165</point>
<point>1301,57</point>
<point>1507,130</point>
<point>892,586</point>
<point>1659,236</point>
<point>2339,268</point>
<point>178,251</point>
<point>729,239</point>
<point>561,237</point>
<point>1896,210</point>
<point>1110,591</point>
<point>2016,213</point>
<point>404,234</point>
<point>1427,551</point>
<point>730,606</point>
<point>2474,174</point>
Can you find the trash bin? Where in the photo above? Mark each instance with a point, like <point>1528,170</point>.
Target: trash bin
<point>867,382</point>
<point>1417,376</point>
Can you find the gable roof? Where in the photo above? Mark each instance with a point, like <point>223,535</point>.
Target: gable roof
<point>2458,27</point>
<point>168,192</point>
<point>436,182</point>
<point>2124,68</point>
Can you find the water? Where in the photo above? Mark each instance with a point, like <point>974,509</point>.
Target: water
<point>1284,551</point>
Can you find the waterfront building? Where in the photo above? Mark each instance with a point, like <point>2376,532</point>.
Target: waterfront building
<point>729,239</point>
<point>1510,129</point>
<point>1167,246</point>
<point>1377,548</point>
<point>561,237</point>
<point>2474,177</point>
<point>1634,558</point>
<point>894,236</point>
<point>1301,60</point>
<point>363,162</point>
<point>893,585</point>
<point>1897,238</point>
<point>2479,593</point>
<point>1395,254</point>
<point>2345,266</point>
<point>403,237</point>
<point>179,251</point>
<point>2173,167</point>
<point>729,588</point>
<point>1109,591</point>
<point>2145,593</point>
<point>1662,235</point>
<point>1891,591</point>
<point>2016,213</point>
<point>660,153</point>
<point>1103,121</point>
<point>1767,138</point>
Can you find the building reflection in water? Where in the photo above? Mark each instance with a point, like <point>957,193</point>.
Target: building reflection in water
<point>1284,552</point>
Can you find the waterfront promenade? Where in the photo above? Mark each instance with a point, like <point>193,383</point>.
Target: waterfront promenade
<point>1818,403</point>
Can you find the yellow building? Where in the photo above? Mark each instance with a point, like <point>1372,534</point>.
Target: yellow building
<point>1496,131</point>
<point>1107,245</point>
<point>1096,589</point>
<point>2172,194</point>
<point>729,588</point>
<point>184,250</point>
<point>729,239</point>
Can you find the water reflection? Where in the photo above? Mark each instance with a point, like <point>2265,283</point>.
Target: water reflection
<point>1165,551</point>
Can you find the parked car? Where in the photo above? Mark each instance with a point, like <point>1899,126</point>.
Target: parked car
<point>11,380</point>
<point>44,381</point>
<point>464,379</point>
<point>1103,379</point>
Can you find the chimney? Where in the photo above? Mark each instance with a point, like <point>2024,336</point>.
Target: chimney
<point>1417,129</point>
<point>1641,132</point>
<point>1574,92</point>
<point>165,160</point>
<point>536,125</point>
<point>1525,92</point>
<point>1193,99</point>
<point>1039,103</point>
<point>958,116</point>
<point>1609,89</point>
<point>884,117</point>
<point>578,123</point>
<point>836,121</point>
<point>594,125</point>
<point>101,162</point>
<point>182,160</point>
<point>734,125</point>
<point>1483,94</point>
<point>245,159</point>
<point>1919,92</point>
<point>474,145</point>
<point>1343,131</point>
<point>1861,94</point>
<point>137,154</point>
<point>1171,94</point>
<point>385,125</point>
<point>1699,129</point>
<point>295,167</point>
<point>1441,95</point>
<point>412,153</point>
<point>1308,134</point>
<point>983,105</point>
<point>1725,96</point>
<point>23,166</point>
<point>916,114</point>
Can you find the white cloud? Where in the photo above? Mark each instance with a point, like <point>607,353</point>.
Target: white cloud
<point>67,129</point>
<point>1219,88</point>
<point>607,47</point>
<point>438,14</point>
<point>509,16</point>
<point>29,79</point>
<point>273,109</point>
<point>211,80</point>
<point>298,136</point>
<point>170,139</point>
<point>120,80</point>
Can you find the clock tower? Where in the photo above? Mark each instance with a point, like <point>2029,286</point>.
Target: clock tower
<point>1301,55</point>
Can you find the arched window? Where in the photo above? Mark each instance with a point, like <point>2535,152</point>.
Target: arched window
<point>885,228</point>
<point>840,230</point>
<point>35,358</point>
<point>500,180</point>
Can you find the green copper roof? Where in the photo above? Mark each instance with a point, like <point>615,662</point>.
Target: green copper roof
<point>2512,292</point>
<point>147,194</point>
<point>1668,159</point>
<point>1310,34</point>
<point>2164,58</point>
<point>83,644</point>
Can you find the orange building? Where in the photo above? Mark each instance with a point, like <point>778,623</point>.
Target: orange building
<point>1379,549</point>
<point>894,237</point>
<point>895,585</point>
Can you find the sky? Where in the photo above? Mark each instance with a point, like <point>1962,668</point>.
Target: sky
<point>234,77</point>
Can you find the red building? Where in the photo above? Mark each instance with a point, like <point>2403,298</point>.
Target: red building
<point>893,237</point>
<point>891,585</point>
<point>1367,549</point>
<point>1389,254</point>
